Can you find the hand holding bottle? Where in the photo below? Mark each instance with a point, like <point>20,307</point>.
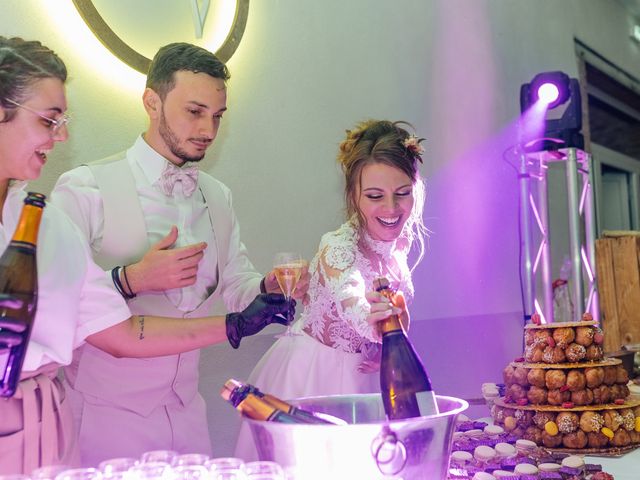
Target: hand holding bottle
<point>381,309</point>
<point>265,309</point>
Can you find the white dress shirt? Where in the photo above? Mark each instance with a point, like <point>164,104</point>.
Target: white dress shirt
<point>75,299</point>
<point>161,212</point>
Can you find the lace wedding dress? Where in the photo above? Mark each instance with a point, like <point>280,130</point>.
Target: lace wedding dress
<point>335,341</point>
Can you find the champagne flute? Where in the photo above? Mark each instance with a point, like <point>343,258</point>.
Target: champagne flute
<point>288,268</point>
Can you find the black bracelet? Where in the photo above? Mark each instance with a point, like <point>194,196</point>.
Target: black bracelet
<point>263,288</point>
<point>115,276</point>
<point>126,280</point>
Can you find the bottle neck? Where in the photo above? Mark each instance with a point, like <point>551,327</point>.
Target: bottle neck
<point>254,407</point>
<point>391,323</point>
<point>28,225</point>
<point>276,402</point>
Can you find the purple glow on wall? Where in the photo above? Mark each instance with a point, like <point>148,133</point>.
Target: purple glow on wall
<point>472,265</point>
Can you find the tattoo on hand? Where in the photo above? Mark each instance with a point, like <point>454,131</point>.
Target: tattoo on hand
<point>141,323</point>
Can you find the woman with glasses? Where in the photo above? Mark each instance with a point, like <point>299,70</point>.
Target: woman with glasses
<point>76,301</point>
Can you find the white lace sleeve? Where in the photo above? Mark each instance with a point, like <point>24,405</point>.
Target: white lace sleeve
<point>341,269</point>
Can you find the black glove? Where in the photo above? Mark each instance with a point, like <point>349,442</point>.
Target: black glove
<point>261,312</point>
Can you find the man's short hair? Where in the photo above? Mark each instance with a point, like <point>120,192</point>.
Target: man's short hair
<point>182,56</point>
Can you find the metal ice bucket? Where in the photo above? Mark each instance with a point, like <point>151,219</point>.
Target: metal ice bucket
<point>368,447</point>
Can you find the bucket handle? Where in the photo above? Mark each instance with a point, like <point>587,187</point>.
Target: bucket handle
<point>386,450</point>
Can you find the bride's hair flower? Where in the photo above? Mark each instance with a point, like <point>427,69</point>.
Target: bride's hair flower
<point>412,144</point>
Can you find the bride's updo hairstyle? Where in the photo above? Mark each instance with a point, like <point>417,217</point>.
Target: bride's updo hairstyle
<point>381,141</point>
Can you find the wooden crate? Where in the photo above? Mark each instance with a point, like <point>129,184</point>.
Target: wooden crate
<point>618,277</point>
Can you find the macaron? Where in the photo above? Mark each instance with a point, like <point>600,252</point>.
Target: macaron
<point>493,430</point>
<point>483,476</point>
<point>504,449</point>
<point>490,390</point>
<point>525,469</point>
<point>502,474</point>
<point>457,435</point>
<point>573,461</point>
<point>462,418</point>
<point>460,457</point>
<point>549,467</point>
<point>483,453</point>
<point>525,445</point>
<point>476,432</point>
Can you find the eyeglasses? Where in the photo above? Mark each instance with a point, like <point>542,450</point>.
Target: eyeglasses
<point>54,124</point>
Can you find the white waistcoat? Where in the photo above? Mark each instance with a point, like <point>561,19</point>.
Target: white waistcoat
<point>141,385</point>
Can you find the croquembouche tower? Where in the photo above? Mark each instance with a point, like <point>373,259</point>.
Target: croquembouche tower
<point>564,394</point>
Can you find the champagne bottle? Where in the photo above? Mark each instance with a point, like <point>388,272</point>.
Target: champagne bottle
<point>256,408</point>
<point>404,383</point>
<point>19,293</point>
<point>235,392</point>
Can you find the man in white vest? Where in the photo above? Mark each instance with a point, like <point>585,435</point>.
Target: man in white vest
<point>167,236</point>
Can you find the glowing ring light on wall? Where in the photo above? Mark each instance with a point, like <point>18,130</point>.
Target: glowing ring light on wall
<point>139,62</point>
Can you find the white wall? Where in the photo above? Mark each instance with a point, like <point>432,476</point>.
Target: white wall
<point>306,71</point>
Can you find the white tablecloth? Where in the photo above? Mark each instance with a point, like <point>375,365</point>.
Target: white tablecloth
<point>626,467</point>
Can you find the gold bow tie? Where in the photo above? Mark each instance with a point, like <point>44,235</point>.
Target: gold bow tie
<point>172,174</point>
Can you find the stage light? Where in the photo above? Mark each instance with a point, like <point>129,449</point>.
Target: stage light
<point>548,93</point>
<point>551,88</point>
<point>554,99</point>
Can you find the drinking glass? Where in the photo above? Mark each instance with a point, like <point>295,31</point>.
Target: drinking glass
<point>190,472</point>
<point>190,459</point>
<point>293,473</point>
<point>264,470</point>
<point>80,474</point>
<point>48,472</point>
<point>288,268</point>
<point>166,456</point>
<point>224,463</point>
<point>114,466</point>
<point>231,474</point>
<point>149,471</point>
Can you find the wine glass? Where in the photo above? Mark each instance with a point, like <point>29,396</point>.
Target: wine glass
<point>288,268</point>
